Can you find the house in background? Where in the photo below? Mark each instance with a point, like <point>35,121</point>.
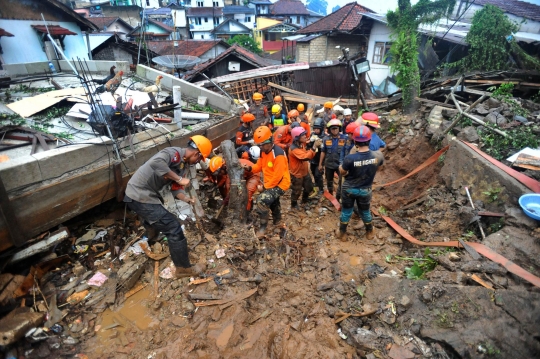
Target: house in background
<point>116,49</point>
<point>262,7</point>
<point>229,28</point>
<point>203,49</point>
<point>291,11</point>
<point>270,34</point>
<point>204,17</point>
<point>30,42</point>
<point>325,38</point>
<point>112,24</point>
<point>243,14</point>
<point>152,30</point>
<point>235,59</point>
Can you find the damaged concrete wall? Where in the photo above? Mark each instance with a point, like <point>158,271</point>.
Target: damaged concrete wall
<point>48,188</point>
<point>30,68</point>
<point>188,89</point>
<point>464,167</point>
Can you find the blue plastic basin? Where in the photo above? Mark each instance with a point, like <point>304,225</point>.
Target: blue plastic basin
<point>531,205</point>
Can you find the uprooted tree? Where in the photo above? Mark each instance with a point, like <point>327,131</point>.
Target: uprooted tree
<point>404,22</point>
<point>237,212</point>
<point>491,43</point>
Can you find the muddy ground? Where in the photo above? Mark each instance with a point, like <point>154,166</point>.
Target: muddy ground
<point>307,280</point>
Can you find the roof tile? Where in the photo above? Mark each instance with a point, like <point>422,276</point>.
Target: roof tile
<point>288,7</point>
<point>102,21</point>
<point>518,8</point>
<point>185,47</point>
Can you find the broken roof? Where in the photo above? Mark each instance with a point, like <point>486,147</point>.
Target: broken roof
<point>346,19</point>
<point>288,7</point>
<point>185,47</point>
<point>514,7</point>
<point>236,50</point>
<point>103,22</point>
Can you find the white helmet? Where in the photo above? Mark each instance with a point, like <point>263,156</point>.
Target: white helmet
<point>347,112</point>
<point>255,152</point>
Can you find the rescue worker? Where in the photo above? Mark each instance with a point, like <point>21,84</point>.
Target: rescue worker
<point>347,118</point>
<point>327,112</point>
<point>371,120</point>
<point>275,168</point>
<point>217,165</point>
<point>252,154</point>
<point>301,110</point>
<point>278,101</point>
<point>299,155</point>
<point>349,131</point>
<point>244,135</point>
<point>278,119</point>
<point>359,171</point>
<point>218,175</point>
<point>282,136</point>
<point>259,110</point>
<point>333,151</point>
<point>295,116</point>
<point>167,168</point>
<point>318,133</point>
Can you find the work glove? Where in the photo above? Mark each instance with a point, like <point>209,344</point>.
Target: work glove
<point>318,143</point>
<point>313,138</point>
<point>251,142</point>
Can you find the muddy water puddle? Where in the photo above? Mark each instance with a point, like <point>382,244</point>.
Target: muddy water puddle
<point>134,313</point>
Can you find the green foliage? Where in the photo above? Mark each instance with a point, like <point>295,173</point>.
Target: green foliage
<point>504,93</point>
<point>500,147</point>
<point>420,265</point>
<point>493,193</point>
<point>7,119</point>
<point>404,22</point>
<point>487,39</point>
<point>497,226</point>
<point>247,42</point>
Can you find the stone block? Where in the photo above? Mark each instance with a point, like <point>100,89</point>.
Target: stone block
<point>202,100</point>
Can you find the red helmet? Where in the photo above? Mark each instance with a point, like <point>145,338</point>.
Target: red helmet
<point>351,127</point>
<point>371,119</point>
<point>297,132</point>
<point>362,134</point>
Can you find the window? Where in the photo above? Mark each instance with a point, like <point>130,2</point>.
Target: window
<point>298,19</point>
<point>197,21</point>
<point>216,21</point>
<point>200,3</point>
<point>202,37</point>
<point>205,19</point>
<point>147,2</point>
<point>187,2</point>
<point>216,4</point>
<point>247,19</point>
<point>381,54</point>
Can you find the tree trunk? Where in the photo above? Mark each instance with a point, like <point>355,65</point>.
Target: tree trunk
<point>414,105</point>
<point>236,211</point>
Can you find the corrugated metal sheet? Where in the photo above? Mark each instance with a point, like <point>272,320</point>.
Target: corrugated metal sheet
<point>332,81</point>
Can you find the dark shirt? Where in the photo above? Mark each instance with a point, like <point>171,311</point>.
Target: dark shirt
<point>362,167</point>
<point>335,150</point>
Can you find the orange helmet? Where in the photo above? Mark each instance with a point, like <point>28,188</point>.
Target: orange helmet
<point>300,107</point>
<point>215,163</point>
<point>262,135</point>
<point>248,117</point>
<point>293,113</point>
<point>371,119</point>
<point>277,99</point>
<point>202,144</point>
<point>257,96</point>
<point>328,104</point>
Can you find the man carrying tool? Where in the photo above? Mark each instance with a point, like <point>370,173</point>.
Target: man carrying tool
<point>259,110</point>
<point>333,152</point>
<point>299,155</point>
<point>219,170</point>
<point>167,167</point>
<point>244,135</point>
<point>318,133</point>
<point>275,169</point>
<point>359,171</point>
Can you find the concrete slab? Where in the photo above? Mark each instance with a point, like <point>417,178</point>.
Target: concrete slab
<point>19,172</point>
<point>16,70</point>
<point>37,67</point>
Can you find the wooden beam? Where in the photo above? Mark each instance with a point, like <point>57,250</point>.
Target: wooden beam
<point>7,213</point>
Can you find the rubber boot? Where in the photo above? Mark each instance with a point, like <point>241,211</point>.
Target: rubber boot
<point>193,271</point>
<point>294,204</point>
<point>341,233</point>
<point>261,232</point>
<point>370,231</point>
<point>178,249</point>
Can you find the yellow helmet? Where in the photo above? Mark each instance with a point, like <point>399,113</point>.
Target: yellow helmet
<point>276,109</point>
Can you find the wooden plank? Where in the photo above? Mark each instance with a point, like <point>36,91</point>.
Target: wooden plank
<point>527,161</point>
<point>32,105</point>
<point>425,100</point>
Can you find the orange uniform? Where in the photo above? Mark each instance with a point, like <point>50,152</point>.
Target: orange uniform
<point>282,137</point>
<point>275,169</point>
<point>306,127</point>
<point>299,160</point>
<point>252,181</point>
